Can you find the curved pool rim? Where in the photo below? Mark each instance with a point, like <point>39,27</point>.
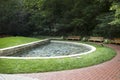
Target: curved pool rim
<point>55,57</point>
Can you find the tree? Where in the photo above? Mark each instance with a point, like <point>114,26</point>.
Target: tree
<point>103,28</point>
<point>116,7</point>
<point>58,17</point>
<point>12,17</point>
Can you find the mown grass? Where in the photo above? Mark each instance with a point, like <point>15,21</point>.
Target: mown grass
<point>101,55</point>
<point>13,41</point>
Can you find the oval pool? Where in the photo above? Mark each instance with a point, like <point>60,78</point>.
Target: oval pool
<point>55,49</point>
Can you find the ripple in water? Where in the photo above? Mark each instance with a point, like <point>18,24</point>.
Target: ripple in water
<point>53,49</point>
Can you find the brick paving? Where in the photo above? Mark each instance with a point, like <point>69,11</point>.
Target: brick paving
<point>109,70</point>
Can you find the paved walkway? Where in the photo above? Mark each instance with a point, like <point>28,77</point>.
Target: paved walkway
<point>106,71</point>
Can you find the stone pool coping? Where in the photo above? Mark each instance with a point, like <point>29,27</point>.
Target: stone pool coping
<point>18,48</point>
<point>68,42</point>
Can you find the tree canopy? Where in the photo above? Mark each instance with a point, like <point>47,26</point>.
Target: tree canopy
<point>60,17</point>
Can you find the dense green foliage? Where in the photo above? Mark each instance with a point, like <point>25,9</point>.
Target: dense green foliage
<point>102,54</point>
<point>116,7</point>
<point>60,17</point>
<point>13,41</point>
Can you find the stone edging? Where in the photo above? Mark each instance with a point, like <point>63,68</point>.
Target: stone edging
<point>18,48</point>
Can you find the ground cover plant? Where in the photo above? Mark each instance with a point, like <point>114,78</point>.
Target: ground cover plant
<point>12,66</point>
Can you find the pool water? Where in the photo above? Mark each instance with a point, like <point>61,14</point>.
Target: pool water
<point>53,49</point>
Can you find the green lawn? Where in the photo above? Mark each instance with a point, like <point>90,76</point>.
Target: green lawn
<point>101,55</point>
<point>13,41</point>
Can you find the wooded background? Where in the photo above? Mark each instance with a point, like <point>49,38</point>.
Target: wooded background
<point>60,17</point>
